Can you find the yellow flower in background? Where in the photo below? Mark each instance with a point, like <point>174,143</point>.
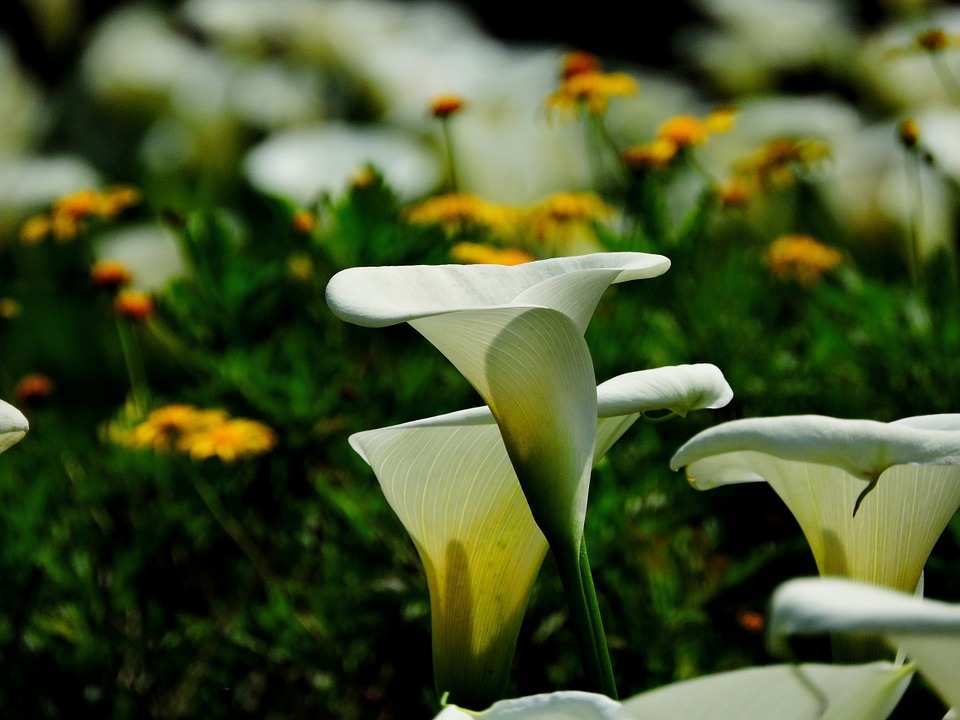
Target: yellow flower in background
<point>164,426</point>
<point>579,62</point>
<point>303,221</point>
<point>562,218</point>
<point>229,440</point>
<point>735,191</point>
<point>10,309</point>
<point>468,252</point>
<point>200,433</point>
<point>674,134</point>
<point>455,212</point>
<point>908,132</point>
<point>33,388</point>
<point>110,274</point>
<point>801,258</point>
<point>931,41</point>
<point>68,213</point>
<point>116,199</point>
<point>583,85</point>
<point>443,106</point>
<point>777,161</point>
<point>683,130</point>
<point>134,304</point>
<point>655,155</point>
<point>35,229</point>
<point>721,120</point>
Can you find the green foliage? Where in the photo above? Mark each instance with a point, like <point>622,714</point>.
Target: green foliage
<point>144,583</point>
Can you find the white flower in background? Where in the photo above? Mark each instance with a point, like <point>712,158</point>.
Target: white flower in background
<point>824,468</point>
<point>756,40</point>
<point>940,135</point>
<point>872,190</point>
<point>149,250</point>
<point>30,183</point>
<point>256,27</point>
<point>136,60</point>
<point>274,94</point>
<point>23,115</point>
<point>13,425</point>
<point>403,56</point>
<point>451,483</point>
<point>760,120</point>
<point>778,692</point>
<point>516,333</point>
<point>928,631</point>
<point>898,72</point>
<point>301,164</point>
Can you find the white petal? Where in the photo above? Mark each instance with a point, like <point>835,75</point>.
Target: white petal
<point>862,447</point>
<point>380,296</point>
<point>13,425</point>
<point>780,692</point>
<point>455,491</point>
<point>680,388</point>
<point>929,631</point>
<point>564,705</point>
<point>533,368</point>
<point>810,461</point>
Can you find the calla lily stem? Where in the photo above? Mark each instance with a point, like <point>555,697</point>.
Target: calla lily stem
<point>574,568</point>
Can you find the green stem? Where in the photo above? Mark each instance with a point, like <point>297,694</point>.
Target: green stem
<point>134,362</point>
<point>451,160</point>
<point>946,77</point>
<point>596,621</point>
<point>913,242</point>
<point>574,569</point>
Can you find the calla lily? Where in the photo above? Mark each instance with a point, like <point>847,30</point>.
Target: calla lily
<point>13,425</point>
<point>871,498</point>
<point>779,692</point>
<point>927,630</point>
<point>451,483</point>
<point>516,333</point>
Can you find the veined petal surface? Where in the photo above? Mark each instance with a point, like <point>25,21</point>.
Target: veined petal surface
<point>818,467</point>
<point>779,692</point>
<point>456,493</point>
<point>13,425</point>
<point>533,369</point>
<point>451,483</point>
<point>927,630</point>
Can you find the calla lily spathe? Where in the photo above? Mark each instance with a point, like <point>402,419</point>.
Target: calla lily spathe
<point>778,692</point>
<point>516,333</point>
<point>927,630</point>
<point>821,468</point>
<point>13,425</point>
<point>450,481</point>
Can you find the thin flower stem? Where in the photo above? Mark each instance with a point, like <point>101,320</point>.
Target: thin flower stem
<point>947,78</point>
<point>913,242</point>
<point>585,615</point>
<point>451,159</point>
<point>133,359</point>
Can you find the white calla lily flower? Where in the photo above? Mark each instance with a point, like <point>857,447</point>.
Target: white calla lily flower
<point>779,692</point>
<point>450,481</point>
<point>516,333</point>
<point>871,498</point>
<point>13,425</point>
<point>927,630</point>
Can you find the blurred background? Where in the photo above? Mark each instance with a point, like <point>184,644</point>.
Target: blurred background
<point>178,182</point>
